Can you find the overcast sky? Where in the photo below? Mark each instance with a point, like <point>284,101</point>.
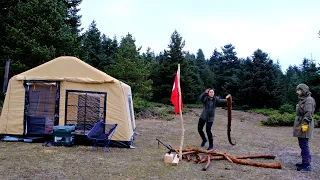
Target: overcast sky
<point>286,29</point>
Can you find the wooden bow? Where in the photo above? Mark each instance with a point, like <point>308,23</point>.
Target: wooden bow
<point>229,102</point>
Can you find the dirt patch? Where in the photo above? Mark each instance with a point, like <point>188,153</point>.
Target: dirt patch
<point>32,161</point>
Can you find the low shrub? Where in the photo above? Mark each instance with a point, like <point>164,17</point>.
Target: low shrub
<point>155,110</point>
<point>189,106</point>
<point>285,119</point>
<point>316,120</point>
<point>286,108</point>
<point>267,112</point>
<point>140,104</point>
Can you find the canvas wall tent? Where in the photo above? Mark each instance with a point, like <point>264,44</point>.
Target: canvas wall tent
<point>66,91</point>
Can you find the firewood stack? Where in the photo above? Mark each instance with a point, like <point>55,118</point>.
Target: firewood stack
<point>204,156</point>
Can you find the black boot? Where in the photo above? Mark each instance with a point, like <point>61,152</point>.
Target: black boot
<point>304,167</point>
<point>204,141</point>
<point>210,145</point>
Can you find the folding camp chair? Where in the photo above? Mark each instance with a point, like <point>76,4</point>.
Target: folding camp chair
<point>99,137</point>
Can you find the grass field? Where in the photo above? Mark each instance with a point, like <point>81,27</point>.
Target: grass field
<point>33,161</point>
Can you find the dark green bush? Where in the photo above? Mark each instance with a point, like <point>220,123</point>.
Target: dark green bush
<point>316,120</point>
<point>140,104</point>
<point>286,108</point>
<point>285,119</point>
<point>267,112</point>
<point>145,109</point>
<point>193,106</point>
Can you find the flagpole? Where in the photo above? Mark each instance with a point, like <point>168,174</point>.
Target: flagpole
<point>182,133</point>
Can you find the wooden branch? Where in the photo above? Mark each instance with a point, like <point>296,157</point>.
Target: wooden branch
<point>225,155</point>
<point>213,155</point>
<point>198,157</point>
<point>197,150</point>
<point>229,104</point>
<point>265,156</point>
<point>188,157</point>
<point>208,163</point>
<point>239,159</point>
<point>218,158</point>
<point>190,152</point>
<point>258,164</point>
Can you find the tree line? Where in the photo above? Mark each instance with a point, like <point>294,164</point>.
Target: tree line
<point>33,32</point>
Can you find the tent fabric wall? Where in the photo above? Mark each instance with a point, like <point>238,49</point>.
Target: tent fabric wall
<point>11,121</point>
<point>73,74</point>
<point>129,104</point>
<point>115,111</point>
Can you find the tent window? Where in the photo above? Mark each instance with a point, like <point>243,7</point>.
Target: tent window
<point>131,110</point>
<point>84,109</point>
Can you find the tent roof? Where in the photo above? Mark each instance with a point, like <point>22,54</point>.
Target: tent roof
<point>66,67</point>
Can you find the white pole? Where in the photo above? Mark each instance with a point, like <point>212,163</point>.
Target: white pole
<point>182,133</point>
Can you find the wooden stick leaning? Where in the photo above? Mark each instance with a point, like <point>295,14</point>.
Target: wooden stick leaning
<point>182,127</point>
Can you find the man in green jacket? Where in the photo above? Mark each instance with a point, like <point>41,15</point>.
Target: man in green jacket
<point>304,125</point>
<point>208,115</point>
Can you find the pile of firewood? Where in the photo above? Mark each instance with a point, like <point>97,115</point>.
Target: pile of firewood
<point>203,156</point>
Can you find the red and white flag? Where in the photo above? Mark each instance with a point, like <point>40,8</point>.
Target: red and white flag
<point>175,94</point>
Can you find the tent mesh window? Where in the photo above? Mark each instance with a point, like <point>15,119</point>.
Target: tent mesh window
<point>84,109</point>
<point>131,110</point>
<point>40,109</point>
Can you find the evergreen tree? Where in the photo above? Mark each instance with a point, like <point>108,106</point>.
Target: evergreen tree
<point>291,79</point>
<point>192,79</point>
<point>167,68</point>
<point>73,19</point>
<point>131,69</point>
<point>92,49</point>
<point>310,76</point>
<point>229,69</point>
<point>34,32</point>
<point>214,60</point>
<point>149,58</point>
<point>246,90</point>
<point>206,75</point>
<point>262,90</point>
<point>226,67</point>
<point>168,65</point>
<point>109,48</point>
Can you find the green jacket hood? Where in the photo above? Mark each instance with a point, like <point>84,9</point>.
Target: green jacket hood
<point>304,88</point>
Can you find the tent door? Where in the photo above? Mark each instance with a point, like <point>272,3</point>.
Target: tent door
<point>41,111</point>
